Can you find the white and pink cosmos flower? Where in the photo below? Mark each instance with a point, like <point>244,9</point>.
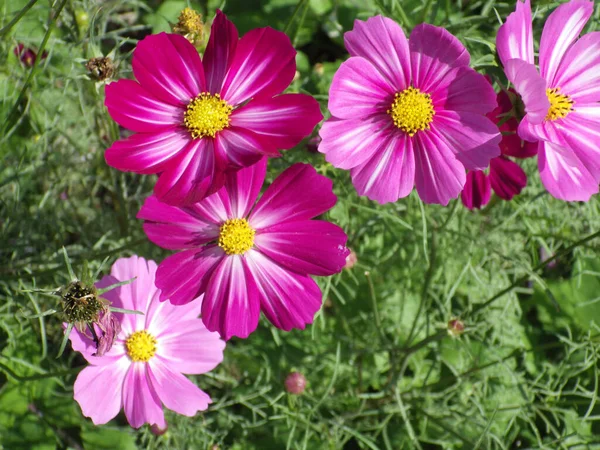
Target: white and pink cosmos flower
<point>196,119</point>
<point>143,369</point>
<point>561,100</point>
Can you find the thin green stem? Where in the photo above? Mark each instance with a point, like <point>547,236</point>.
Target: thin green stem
<point>17,17</point>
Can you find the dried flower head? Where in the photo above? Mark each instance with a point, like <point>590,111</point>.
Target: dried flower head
<point>81,303</point>
<point>100,69</point>
<point>190,26</point>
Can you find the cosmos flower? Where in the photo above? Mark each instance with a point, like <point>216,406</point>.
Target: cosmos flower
<point>561,100</point>
<point>246,258</point>
<point>143,369</point>
<point>408,112</point>
<point>194,120</point>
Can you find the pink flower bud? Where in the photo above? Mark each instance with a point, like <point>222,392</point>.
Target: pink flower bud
<point>351,260</point>
<point>456,327</point>
<point>295,383</point>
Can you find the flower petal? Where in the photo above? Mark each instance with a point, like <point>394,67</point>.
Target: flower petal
<point>348,143</point>
<point>463,89</point>
<point>390,172</point>
<point>563,173</point>
<point>477,192</point>
<point>285,120</point>
<point>183,276</point>
<point>87,347</point>
<point>439,176</point>
<point>263,66</point>
<point>560,30</point>
<point>581,132</point>
<point>98,390</point>
<point>244,186</point>
<point>169,67</point>
<point>282,202</point>
<point>359,90</point>
<point>147,153</point>
<point>433,53</point>
<point>231,304</point>
<point>507,178</point>
<point>175,391</point>
<point>237,147</point>
<point>289,300</point>
<point>219,52</point>
<point>515,37</point>
<point>531,86</point>
<point>132,107</point>
<point>382,42</point>
<point>174,228</point>
<point>310,247</point>
<point>140,401</point>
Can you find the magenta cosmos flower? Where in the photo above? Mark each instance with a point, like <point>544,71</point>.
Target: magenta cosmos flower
<point>143,369</point>
<point>408,112</point>
<point>247,258</point>
<point>561,101</point>
<point>506,178</point>
<point>196,119</point>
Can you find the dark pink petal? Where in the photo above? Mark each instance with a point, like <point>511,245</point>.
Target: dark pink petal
<point>284,120</point>
<point>439,176</point>
<point>563,173</point>
<point>348,143</point>
<point>390,173</point>
<point>515,37</point>
<point>244,186</point>
<point>263,66</point>
<point>147,152</point>
<point>507,178</point>
<point>231,304</point>
<point>190,348</point>
<point>560,31</point>
<point>473,138</point>
<point>174,228</point>
<point>183,276</point>
<point>476,193</point>
<point>358,90</point>
<point>579,72</point>
<point>299,193</point>
<point>140,401</point>
<point>237,147</point>
<point>531,86</point>
<point>382,41</point>
<point>174,390</point>
<point>191,176</point>
<point>132,107</point>
<point>219,52</point>
<point>289,300</point>
<point>98,390</point>
<point>433,53</point>
<point>463,89</point>
<point>169,68</point>
<point>311,247</point>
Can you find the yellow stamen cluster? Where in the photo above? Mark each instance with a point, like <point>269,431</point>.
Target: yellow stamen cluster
<point>141,346</point>
<point>560,104</point>
<point>412,110</point>
<point>206,115</point>
<point>236,236</point>
<point>190,25</point>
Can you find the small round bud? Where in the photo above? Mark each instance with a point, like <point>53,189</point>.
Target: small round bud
<point>456,327</point>
<point>100,69</point>
<point>81,303</point>
<point>295,383</point>
<point>351,260</point>
<point>157,431</point>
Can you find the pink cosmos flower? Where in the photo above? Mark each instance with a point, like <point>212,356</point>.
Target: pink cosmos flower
<point>196,119</point>
<point>247,258</point>
<point>408,112</point>
<point>506,177</point>
<point>143,369</point>
<point>561,101</point>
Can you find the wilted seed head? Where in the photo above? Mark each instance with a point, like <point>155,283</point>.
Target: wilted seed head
<point>456,327</point>
<point>190,26</point>
<point>295,383</point>
<point>81,303</point>
<point>100,69</point>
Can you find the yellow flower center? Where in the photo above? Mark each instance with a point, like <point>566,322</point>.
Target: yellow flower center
<point>141,346</point>
<point>560,104</point>
<point>236,236</point>
<point>206,115</point>
<point>190,21</point>
<point>412,110</point>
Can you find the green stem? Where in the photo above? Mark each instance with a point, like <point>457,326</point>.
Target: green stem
<point>15,19</point>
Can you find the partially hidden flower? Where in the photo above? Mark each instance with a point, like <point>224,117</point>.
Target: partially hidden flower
<point>196,119</point>
<point>27,55</point>
<point>295,383</point>
<point>408,113</point>
<point>506,178</point>
<point>143,369</point>
<point>190,26</point>
<point>561,100</point>
<point>246,258</point>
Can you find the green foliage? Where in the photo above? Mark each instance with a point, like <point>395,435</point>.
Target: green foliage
<point>382,371</point>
